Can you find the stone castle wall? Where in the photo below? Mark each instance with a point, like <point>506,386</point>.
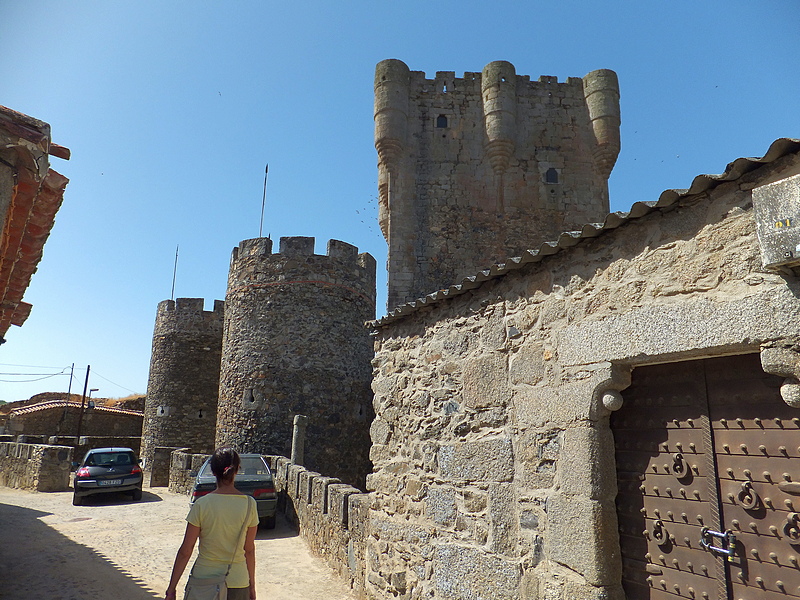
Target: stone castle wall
<point>331,516</point>
<point>494,458</point>
<point>36,467</point>
<point>477,169</point>
<point>295,343</point>
<point>182,389</point>
<point>183,469</point>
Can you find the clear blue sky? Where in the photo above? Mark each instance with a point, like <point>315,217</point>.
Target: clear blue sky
<point>172,109</point>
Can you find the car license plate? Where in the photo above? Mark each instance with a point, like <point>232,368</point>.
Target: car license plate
<point>110,482</point>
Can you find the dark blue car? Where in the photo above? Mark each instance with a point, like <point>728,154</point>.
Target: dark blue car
<point>106,470</point>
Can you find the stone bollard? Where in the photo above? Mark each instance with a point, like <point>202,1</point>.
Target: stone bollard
<point>299,439</point>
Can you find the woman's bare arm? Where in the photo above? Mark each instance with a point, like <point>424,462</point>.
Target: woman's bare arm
<point>250,558</point>
<point>183,557</point>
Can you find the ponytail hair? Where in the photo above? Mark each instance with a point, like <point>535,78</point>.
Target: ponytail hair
<point>224,464</point>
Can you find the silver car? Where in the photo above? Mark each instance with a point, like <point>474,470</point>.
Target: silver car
<point>254,479</point>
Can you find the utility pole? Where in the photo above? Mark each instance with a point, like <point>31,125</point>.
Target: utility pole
<point>69,398</point>
<point>83,401</point>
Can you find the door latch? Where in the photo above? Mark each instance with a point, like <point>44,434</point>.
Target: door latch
<point>748,497</point>
<point>679,466</point>
<point>727,540</point>
<point>792,528</point>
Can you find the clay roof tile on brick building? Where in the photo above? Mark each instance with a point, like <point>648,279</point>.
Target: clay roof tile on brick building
<point>28,215</point>
<point>51,404</point>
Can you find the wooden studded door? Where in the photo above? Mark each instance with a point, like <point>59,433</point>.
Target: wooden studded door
<point>708,468</point>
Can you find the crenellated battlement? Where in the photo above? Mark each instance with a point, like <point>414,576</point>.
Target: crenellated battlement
<point>191,305</point>
<point>445,82</point>
<point>187,315</point>
<point>298,246</point>
<point>253,263</point>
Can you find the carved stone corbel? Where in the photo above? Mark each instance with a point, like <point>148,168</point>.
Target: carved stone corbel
<point>606,396</point>
<point>784,361</point>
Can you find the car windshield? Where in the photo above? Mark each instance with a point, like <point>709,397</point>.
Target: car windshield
<point>109,459</point>
<point>251,465</point>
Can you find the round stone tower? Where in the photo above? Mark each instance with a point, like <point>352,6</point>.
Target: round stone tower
<point>181,405</point>
<point>295,343</point>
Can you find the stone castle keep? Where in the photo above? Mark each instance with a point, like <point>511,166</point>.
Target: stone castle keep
<point>565,404</point>
<point>474,170</point>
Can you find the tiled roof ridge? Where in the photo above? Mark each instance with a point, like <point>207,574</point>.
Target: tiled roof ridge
<point>47,404</point>
<point>700,184</point>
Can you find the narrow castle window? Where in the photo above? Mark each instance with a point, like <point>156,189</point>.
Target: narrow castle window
<point>551,176</point>
<point>441,121</point>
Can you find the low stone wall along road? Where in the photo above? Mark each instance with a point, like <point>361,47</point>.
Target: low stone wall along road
<point>115,548</point>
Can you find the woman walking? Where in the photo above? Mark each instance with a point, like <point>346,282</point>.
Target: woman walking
<point>226,522</point>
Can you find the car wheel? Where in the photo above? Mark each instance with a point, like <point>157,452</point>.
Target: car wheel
<point>268,522</point>
<point>137,494</point>
<point>76,500</point>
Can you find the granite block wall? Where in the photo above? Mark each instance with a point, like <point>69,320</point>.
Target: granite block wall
<point>494,459</point>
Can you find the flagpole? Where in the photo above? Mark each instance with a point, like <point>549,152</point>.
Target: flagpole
<point>263,202</point>
<point>174,272</point>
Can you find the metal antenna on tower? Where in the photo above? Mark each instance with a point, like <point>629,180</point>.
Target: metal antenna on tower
<point>174,272</point>
<point>263,201</point>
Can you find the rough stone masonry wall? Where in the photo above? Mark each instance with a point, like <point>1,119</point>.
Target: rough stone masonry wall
<point>35,466</point>
<point>295,343</point>
<point>480,168</point>
<point>494,460</point>
<point>331,517</point>
<point>183,469</point>
<point>183,386</point>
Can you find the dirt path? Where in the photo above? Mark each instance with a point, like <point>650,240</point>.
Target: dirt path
<point>113,548</point>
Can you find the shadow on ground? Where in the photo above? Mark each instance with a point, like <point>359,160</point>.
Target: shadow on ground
<point>37,561</point>
<point>117,498</point>
<point>283,529</point>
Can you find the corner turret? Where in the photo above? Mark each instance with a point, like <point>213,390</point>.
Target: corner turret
<point>601,89</point>
<point>499,90</point>
<point>391,125</point>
